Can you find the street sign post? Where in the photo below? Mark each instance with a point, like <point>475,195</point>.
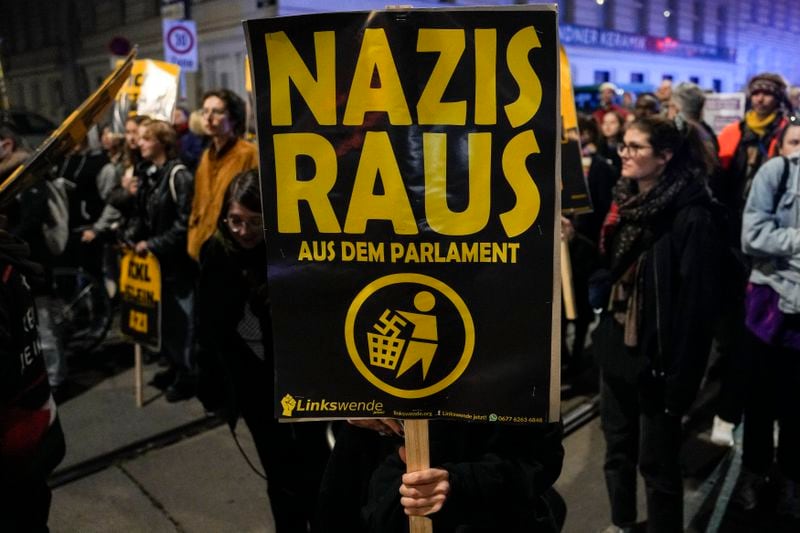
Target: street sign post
<point>180,43</point>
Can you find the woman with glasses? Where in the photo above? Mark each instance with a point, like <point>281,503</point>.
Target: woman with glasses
<point>658,291</point>
<point>770,225</point>
<point>236,361</point>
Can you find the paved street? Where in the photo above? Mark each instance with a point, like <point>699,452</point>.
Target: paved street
<point>168,467</point>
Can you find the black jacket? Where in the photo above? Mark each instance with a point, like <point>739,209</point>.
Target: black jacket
<point>159,219</point>
<point>500,477</point>
<point>682,288</point>
<point>682,291</point>
<point>30,445</point>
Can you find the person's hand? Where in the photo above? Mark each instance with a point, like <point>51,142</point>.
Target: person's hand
<point>567,229</point>
<point>130,183</point>
<point>384,426</point>
<point>141,248</point>
<point>425,491</point>
<point>88,235</point>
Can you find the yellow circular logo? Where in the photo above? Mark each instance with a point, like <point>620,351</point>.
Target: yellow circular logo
<point>410,335</point>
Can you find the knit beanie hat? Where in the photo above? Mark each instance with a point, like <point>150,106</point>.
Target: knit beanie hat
<point>690,98</point>
<point>767,82</point>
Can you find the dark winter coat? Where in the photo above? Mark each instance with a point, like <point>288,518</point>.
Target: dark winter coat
<point>161,220</point>
<point>500,478</point>
<point>31,440</point>
<point>682,289</point>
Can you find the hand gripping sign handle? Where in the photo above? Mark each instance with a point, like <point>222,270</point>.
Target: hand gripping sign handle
<point>417,458</point>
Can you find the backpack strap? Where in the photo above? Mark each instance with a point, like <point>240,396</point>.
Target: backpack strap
<point>172,173</point>
<point>781,190</point>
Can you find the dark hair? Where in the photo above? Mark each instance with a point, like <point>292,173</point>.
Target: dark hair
<point>234,105</point>
<point>245,189</point>
<point>646,103</point>
<point>8,131</point>
<point>587,125</point>
<point>689,153</point>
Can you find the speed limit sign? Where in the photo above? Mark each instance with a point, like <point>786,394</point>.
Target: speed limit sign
<point>180,43</point>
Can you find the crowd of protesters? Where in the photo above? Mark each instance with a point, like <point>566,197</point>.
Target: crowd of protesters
<point>692,251</point>
<point>693,242</point>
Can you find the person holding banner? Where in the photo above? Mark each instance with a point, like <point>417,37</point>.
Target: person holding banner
<point>484,478</point>
<point>235,358</point>
<point>161,207</point>
<point>31,438</point>
<point>226,156</point>
<point>659,294</point>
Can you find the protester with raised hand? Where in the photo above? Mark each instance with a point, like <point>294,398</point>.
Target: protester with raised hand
<point>659,293</point>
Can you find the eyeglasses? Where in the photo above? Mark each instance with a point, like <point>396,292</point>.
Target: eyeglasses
<point>216,111</point>
<point>632,148</point>
<point>236,223</point>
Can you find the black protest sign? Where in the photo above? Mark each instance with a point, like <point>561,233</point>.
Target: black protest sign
<point>409,182</point>
<point>140,299</point>
<point>575,197</point>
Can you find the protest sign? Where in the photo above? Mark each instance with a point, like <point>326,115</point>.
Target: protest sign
<point>69,134</point>
<point>575,197</point>
<point>151,90</point>
<point>721,109</point>
<point>409,166</point>
<point>140,298</point>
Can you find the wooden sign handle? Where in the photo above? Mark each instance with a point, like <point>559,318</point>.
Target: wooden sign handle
<point>418,458</point>
<point>566,282</point>
<point>137,371</point>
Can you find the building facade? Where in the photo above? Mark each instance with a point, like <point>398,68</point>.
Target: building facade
<point>56,51</point>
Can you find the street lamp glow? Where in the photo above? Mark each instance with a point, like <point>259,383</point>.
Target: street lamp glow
<point>600,2</point>
<point>667,13</point>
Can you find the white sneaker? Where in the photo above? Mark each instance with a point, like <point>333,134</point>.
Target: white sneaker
<point>722,432</point>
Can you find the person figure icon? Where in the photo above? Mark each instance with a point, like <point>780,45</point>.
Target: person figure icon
<point>424,335</point>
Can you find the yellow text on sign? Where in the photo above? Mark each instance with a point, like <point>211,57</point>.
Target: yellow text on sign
<point>140,278</point>
<point>137,321</point>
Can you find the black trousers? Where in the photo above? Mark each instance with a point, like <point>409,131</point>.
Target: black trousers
<point>639,433</point>
<point>773,394</point>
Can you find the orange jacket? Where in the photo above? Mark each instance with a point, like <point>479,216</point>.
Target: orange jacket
<point>214,173</point>
<point>731,135</point>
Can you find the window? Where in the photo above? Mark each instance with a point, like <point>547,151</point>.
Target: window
<point>717,84</point>
<point>642,17</point>
<point>722,25</point>
<point>608,15</point>
<point>601,76</point>
<point>672,19</point>
<point>637,77</point>
<point>669,77</point>
<point>695,79</point>
<point>698,29</point>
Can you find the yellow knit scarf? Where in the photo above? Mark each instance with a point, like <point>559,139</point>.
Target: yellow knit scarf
<point>759,125</point>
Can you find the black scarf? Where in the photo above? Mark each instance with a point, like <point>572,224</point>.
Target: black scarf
<point>638,219</point>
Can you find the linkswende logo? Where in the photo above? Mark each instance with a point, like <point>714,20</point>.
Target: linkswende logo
<point>308,407</point>
<point>409,335</point>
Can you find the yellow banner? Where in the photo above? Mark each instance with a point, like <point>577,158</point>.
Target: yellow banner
<point>568,111</point>
<point>69,134</point>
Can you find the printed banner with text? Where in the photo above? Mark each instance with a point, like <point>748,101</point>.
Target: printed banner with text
<point>409,179</point>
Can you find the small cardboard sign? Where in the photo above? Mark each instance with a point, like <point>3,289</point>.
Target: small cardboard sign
<point>140,289</point>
